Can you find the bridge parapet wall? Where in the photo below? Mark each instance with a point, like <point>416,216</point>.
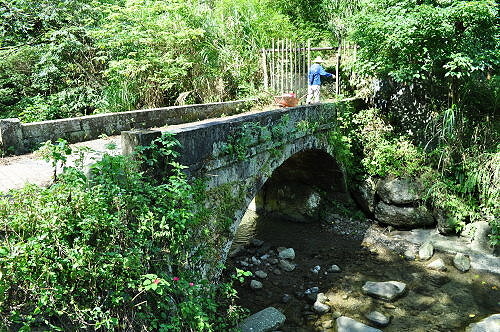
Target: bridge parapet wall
<point>210,145</point>
<point>17,137</point>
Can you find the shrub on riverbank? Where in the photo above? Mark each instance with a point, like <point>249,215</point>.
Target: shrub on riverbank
<point>366,144</point>
<point>113,250</point>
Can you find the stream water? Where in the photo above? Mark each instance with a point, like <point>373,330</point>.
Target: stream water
<point>434,301</point>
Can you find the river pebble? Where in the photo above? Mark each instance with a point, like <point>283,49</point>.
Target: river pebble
<point>437,265</point>
<point>461,262</point>
<point>387,290</point>
<point>321,308</point>
<point>334,269</point>
<point>426,251</point>
<point>255,260</point>
<point>254,284</point>
<point>346,324</point>
<point>286,265</point>
<point>287,253</point>
<point>378,318</point>
<point>316,269</point>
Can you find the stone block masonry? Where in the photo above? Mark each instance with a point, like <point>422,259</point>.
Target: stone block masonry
<point>18,138</point>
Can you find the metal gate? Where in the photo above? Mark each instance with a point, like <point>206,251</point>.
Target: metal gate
<point>285,65</point>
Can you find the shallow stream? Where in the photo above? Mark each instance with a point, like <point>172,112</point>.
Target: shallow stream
<point>434,301</point>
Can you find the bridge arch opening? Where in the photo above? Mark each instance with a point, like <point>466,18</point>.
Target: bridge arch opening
<point>303,187</point>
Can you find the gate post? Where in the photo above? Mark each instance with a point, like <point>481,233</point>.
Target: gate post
<point>11,136</point>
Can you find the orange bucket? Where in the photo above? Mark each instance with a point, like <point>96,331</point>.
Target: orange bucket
<point>286,100</point>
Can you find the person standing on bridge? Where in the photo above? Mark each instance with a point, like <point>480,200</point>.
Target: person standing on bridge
<point>314,80</point>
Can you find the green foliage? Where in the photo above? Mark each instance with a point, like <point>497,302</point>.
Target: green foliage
<point>422,40</point>
<point>238,144</point>
<point>463,192</point>
<point>56,153</point>
<point>114,250</point>
<point>344,144</point>
<point>71,58</point>
<point>384,153</point>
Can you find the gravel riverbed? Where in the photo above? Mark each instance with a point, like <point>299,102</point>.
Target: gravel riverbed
<point>433,300</point>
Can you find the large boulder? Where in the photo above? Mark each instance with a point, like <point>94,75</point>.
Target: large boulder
<point>489,324</point>
<point>398,191</point>
<point>269,319</point>
<point>403,216</point>
<point>364,195</point>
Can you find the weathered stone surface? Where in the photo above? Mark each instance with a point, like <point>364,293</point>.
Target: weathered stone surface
<point>437,265</point>
<point>334,269</point>
<point>426,251</point>
<point>254,284</point>
<point>489,324</point>
<point>404,217</point>
<point>261,274</point>
<point>388,290</point>
<point>461,262</point>
<point>286,265</point>
<point>346,324</point>
<point>364,195</point>
<point>265,320</point>
<point>287,253</point>
<point>132,139</point>
<point>11,137</point>
<point>443,221</point>
<point>92,126</point>
<point>320,307</point>
<point>378,318</point>
<point>481,240</point>
<point>398,191</point>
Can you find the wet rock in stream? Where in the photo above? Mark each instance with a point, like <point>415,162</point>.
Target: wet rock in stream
<point>433,301</point>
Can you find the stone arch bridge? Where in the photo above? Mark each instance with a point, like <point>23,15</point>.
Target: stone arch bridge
<point>283,158</point>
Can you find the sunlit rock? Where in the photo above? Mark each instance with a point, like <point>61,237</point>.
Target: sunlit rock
<point>426,251</point>
<point>346,324</point>
<point>461,262</point>
<point>378,318</point>
<point>388,290</point>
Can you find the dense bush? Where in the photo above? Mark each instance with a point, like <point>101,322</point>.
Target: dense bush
<point>113,250</point>
<point>367,145</point>
<point>71,58</point>
<point>436,64</point>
